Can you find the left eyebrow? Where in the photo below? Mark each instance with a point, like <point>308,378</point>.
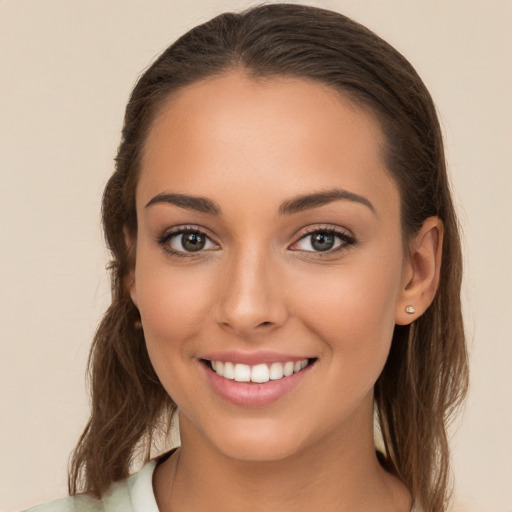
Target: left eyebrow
<point>308,201</point>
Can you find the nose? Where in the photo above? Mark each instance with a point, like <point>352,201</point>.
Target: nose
<point>251,295</point>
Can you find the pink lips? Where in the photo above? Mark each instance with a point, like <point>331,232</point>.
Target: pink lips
<point>251,358</point>
<point>250,394</point>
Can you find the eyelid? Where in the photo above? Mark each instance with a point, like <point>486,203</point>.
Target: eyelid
<point>164,239</point>
<point>343,234</point>
<point>346,237</point>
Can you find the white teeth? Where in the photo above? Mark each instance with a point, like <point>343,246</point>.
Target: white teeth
<point>242,373</point>
<point>276,371</point>
<point>259,373</point>
<point>288,368</point>
<point>228,371</point>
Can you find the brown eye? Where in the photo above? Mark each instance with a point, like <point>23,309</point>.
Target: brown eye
<point>192,242</point>
<point>323,240</point>
<point>185,241</point>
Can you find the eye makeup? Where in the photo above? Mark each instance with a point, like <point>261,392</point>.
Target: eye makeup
<point>186,241</point>
<point>324,240</point>
<point>192,241</point>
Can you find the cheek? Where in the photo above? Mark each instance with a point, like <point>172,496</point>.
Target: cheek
<point>173,305</point>
<point>353,311</point>
<point>174,310</point>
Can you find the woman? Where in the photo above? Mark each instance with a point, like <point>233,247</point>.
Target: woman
<point>286,261</point>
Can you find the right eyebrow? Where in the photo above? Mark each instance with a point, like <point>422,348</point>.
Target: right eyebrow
<point>199,204</point>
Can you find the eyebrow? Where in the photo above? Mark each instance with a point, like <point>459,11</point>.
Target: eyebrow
<point>308,201</point>
<point>199,204</point>
<point>293,205</point>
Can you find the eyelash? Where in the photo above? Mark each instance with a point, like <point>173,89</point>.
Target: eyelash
<point>346,239</point>
<point>166,237</point>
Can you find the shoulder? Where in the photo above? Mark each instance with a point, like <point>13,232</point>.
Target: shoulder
<point>135,494</point>
<point>72,504</point>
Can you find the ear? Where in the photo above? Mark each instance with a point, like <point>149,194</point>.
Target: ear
<point>421,272</point>
<point>129,280</point>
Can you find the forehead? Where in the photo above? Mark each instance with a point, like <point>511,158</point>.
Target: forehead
<point>278,135</point>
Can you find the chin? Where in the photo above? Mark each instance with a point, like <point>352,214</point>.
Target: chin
<point>259,441</point>
<point>262,450</point>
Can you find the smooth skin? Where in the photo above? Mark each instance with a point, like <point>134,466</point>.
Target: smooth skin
<point>260,283</point>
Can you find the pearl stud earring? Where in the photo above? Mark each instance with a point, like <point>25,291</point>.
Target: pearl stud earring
<point>410,310</point>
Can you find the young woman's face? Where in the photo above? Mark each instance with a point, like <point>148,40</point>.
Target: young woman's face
<point>268,234</point>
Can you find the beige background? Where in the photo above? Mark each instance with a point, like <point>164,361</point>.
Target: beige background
<point>67,67</point>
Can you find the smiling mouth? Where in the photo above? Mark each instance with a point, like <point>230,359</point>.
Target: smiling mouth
<point>259,373</point>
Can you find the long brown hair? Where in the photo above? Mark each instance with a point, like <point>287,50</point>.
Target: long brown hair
<point>426,374</point>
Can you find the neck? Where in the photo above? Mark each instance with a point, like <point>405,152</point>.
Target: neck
<point>335,474</point>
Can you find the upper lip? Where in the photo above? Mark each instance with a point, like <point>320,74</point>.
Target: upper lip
<point>252,358</point>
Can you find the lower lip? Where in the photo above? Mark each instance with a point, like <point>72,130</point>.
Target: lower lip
<point>251,394</point>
